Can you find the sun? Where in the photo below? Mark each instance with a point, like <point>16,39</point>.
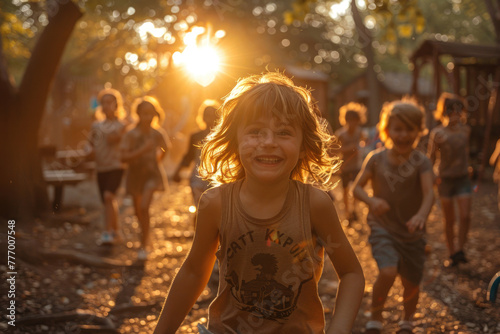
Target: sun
<point>201,62</point>
<point>201,59</point>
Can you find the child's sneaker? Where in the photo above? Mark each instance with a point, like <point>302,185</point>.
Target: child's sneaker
<point>457,258</point>
<point>117,237</point>
<point>373,327</point>
<point>142,254</point>
<point>106,238</point>
<point>405,327</point>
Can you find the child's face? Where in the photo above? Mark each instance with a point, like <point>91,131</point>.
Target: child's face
<point>454,113</point>
<point>402,135</point>
<point>269,149</point>
<point>108,103</point>
<point>352,122</point>
<point>146,113</point>
<point>209,117</point>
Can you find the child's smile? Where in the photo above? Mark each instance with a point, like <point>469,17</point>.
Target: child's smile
<point>269,149</point>
<point>403,136</point>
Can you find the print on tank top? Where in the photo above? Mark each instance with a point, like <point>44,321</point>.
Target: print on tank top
<point>270,294</point>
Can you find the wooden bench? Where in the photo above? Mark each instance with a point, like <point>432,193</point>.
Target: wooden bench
<point>59,179</point>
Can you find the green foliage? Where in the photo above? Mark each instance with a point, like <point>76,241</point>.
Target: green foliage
<point>298,32</point>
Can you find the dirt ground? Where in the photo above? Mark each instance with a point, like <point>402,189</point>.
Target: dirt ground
<point>68,283</point>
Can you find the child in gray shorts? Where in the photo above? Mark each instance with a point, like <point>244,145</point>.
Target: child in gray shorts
<point>402,180</point>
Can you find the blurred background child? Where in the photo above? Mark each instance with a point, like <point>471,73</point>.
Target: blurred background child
<point>352,137</point>
<point>206,119</point>
<point>105,137</point>
<point>143,148</point>
<point>449,148</point>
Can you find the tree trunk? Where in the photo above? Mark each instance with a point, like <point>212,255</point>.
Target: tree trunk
<point>494,11</point>
<point>366,39</point>
<point>23,192</point>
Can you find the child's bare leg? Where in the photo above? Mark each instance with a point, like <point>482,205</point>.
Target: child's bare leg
<point>381,289</point>
<point>111,211</point>
<point>464,204</point>
<point>147,196</point>
<point>137,207</point>
<point>410,298</point>
<point>449,222</point>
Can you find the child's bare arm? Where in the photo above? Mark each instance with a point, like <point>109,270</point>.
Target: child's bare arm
<point>417,222</point>
<point>115,136</point>
<point>377,205</point>
<point>326,225</point>
<point>431,147</point>
<point>196,269</point>
<point>129,155</point>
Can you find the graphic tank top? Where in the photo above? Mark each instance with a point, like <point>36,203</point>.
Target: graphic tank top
<point>269,268</point>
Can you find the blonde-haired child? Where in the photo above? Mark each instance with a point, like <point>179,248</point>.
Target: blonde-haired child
<point>143,148</point>
<point>401,178</point>
<point>351,136</point>
<point>449,145</point>
<point>105,137</point>
<point>270,228</point>
<point>206,118</point>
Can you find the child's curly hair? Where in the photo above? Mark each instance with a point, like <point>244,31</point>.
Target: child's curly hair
<point>352,109</point>
<point>119,111</point>
<point>406,110</point>
<point>272,94</point>
<point>139,102</point>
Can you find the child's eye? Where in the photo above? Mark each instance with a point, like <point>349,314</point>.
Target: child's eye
<point>284,133</point>
<point>253,131</point>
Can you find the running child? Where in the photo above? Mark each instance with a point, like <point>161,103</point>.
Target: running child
<point>105,137</point>
<point>143,148</point>
<point>449,147</point>
<point>207,116</point>
<point>266,227</point>
<point>401,178</point>
<point>351,137</point>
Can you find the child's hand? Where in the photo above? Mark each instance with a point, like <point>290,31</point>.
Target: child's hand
<point>416,222</point>
<point>378,206</point>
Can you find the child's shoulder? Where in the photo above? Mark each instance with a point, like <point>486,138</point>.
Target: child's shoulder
<point>340,131</point>
<point>159,132</point>
<point>211,200</point>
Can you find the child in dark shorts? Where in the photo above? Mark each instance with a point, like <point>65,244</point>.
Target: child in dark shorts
<point>449,147</point>
<point>402,179</point>
<point>351,137</point>
<point>106,134</point>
